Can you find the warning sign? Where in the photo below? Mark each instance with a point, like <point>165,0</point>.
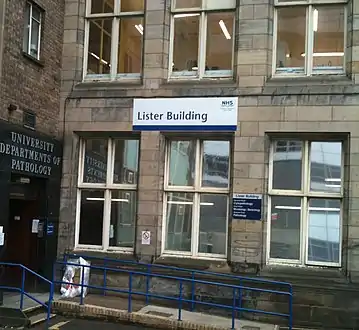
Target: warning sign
<point>146,237</point>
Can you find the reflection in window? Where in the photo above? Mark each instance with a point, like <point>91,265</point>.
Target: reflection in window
<point>325,166</point>
<point>102,6</point>
<point>95,161</point>
<point>125,161</point>
<point>91,217</point>
<point>187,4</point>
<point>324,230</point>
<point>287,165</point>
<point>285,227</point>
<point>130,45</point>
<point>215,164</point>
<point>213,224</point>
<point>123,216</point>
<point>99,49</point>
<point>179,221</point>
<point>185,48</point>
<point>219,43</point>
<point>291,39</point>
<point>132,5</point>
<point>182,162</point>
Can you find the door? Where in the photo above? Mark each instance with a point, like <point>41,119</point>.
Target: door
<point>21,243</point>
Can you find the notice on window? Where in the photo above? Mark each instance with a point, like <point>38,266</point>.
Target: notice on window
<point>35,226</point>
<point>146,237</point>
<point>2,239</point>
<point>247,206</point>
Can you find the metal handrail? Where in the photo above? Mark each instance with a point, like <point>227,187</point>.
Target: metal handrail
<point>22,291</point>
<point>236,290</point>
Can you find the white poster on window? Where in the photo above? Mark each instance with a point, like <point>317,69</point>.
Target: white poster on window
<point>35,226</point>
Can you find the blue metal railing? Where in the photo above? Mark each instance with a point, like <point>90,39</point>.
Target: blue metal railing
<point>21,289</point>
<point>235,307</point>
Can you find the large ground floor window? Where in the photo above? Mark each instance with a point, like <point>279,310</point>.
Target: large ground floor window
<point>196,198</point>
<point>106,195</point>
<point>305,203</point>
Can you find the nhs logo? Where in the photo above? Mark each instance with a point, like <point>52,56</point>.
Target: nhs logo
<point>227,105</point>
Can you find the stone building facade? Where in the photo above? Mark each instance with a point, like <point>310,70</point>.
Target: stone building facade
<point>31,34</point>
<point>296,144</point>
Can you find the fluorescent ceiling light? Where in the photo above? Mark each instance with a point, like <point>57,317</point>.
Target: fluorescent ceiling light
<point>326,209</point>
<point>207,204</point>
<point>189,203</point>
<point>186,15</point>
<point>139,28</point>
<point>224,30</point>
<point>315,20</point>
<point>119,200</point>
<point>332,180</point>
<point>95,199</point>
<point>333,185</point>
<point>98,58</point>
<point>330,54</point>
<point>280,207</point>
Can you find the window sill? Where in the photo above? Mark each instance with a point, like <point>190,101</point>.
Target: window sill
<point>114,254</point>
<point>33,59</point>
<point>320,79</point>
<point>105,84</point>
<point>193,263</point>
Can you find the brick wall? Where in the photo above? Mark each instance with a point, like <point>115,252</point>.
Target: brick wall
<point>25,82</point>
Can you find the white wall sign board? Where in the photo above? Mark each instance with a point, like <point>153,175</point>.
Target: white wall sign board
<point>146,237</point>
<point>185,114</point>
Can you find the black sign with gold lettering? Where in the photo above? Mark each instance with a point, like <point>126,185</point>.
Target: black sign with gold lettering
<point>32,155</point>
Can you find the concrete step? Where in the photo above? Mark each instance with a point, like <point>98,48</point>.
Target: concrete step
<point>39,318</point>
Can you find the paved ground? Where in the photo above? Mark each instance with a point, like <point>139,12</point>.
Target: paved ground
<point>62,323</point>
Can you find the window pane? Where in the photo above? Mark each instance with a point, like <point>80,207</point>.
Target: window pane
<point>287,165</point>
<point>99,54</point>
<point>185,48</point>
<point>213,224</point>
<point>132,5</point>
<point>182,163</point>
<point>26,29</point>
<point>130,45</point>
<point>188,4</point>
<point>91,217</point>
<point>95,167</point>
<point>179,221</point>
<point>215,4</point>
<point>36,14</point>
<point>324,230</point>
<point>215,164</point>
<point>126,161</point>
<point>285,227</point>
<point>291,28</point>
<point>328,29</point>
<point>219,43</point>
<point>35,35</point>
<point>123,218</point>
<point>325,166</point>
<point>102,6</point>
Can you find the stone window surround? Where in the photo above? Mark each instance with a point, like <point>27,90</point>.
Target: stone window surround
<point>304,194</point>
<point>132,77</point>
<point>193,254</point>
<point>309,39</point>
<point>106,187</point>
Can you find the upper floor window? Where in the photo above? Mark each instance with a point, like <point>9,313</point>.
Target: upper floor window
<point>309,37</point>
<point>202,38</point>
<point>114,37</point>
<point>305,203</point>
<point>32,30</point>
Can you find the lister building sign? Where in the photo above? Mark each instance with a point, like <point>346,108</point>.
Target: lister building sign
<point>31,155</point>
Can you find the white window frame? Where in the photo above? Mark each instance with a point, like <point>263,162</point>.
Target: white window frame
<point>305,194</point>
<point>116,17</point>
<point>202,44</point>
<point>197,191</point>
<point>309,40</point>
<point>31,19</point>
<point>106,187</point>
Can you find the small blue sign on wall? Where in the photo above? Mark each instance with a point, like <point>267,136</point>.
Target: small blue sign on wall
<point>50,229</point>
<point>247,206</point>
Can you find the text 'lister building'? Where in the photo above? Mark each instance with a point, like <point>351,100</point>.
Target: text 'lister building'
<point>31,35</point>
<point>227,132</point>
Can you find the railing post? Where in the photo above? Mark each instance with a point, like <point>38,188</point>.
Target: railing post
<point>148,284</point>
<point>290,325</point>
<point>82,285</point>
<point>104,278</point>
<point>49,304</point>
<point>129,308</point>
<point>22,287</point>
<point>234,308</point>
<point>180,301</point>
<point>193,291</point>
<point>239,300</point>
